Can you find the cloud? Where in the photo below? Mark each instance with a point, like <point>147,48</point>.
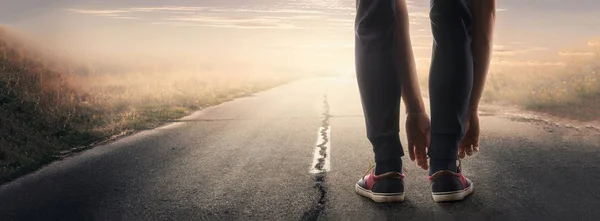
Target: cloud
<point>125,13</point>
<point>237,25</point>
<point>418,17</point>
<point>500,47</point>
<point>246,22</point>
<point>518,42</point>
<point>178,24</point>
<point>315,14</point>
<point>115,14</point>
<point>423,15</point>
<point>594,43</point>
<point>126,17</point>
<point>98,12</point>
<point>414,5</point>
<point>339,45</point>
<point>138,9</point>
<point>280,11</point>
<point>167,8</point>
<point>510,63</point>
<point>194,9</point>
<point>568,53</point>
<point>217,19</point>
<point>501,10</point>
<point>505,50</point>
<point>527,63</point>
<point>240,17</point>
<point>305,17</point>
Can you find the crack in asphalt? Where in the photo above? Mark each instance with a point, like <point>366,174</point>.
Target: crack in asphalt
<point>317,209</point>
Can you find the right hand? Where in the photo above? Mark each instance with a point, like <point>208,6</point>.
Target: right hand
<point>418,128</point>
<point>470,142</point>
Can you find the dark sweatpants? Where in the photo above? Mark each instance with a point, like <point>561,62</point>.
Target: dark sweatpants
<point>450,78</point>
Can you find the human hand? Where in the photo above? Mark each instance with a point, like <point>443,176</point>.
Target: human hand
<point>418,128</point>
<point>470,142</point>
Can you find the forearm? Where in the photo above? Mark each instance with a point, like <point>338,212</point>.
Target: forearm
<point>484,16</point>
<point>411,93</point>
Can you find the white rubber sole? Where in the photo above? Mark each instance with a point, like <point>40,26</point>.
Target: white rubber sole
<point>379,197</point>
<point>453,196</point>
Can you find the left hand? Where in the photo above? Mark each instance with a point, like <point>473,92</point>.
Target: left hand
<point>470,142</point>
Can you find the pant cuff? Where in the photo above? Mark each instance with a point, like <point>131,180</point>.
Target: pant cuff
<point>387,148</point>
<point>444,146</point>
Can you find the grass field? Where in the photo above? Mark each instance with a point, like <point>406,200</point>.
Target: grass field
<point>50,105</point>
<point>569,90</point>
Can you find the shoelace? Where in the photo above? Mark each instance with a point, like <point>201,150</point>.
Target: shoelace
<point>372,165</point>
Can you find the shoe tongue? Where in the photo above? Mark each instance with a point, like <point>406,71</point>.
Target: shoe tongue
<point>389,175</point>
<point>441,172</point>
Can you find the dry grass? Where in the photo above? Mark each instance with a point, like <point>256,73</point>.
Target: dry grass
<point>49,104</point>
<point>570,91</point>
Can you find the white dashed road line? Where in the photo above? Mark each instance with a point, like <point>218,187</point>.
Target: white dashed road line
<point>322,152</point>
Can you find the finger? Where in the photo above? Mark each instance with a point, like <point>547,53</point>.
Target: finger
<point>422,157</point>
<point>419,158</point>
<point>425,164</point>
<point>461,150</point>
<point>424,148</point>
<point>469,150</point>
<point>427,139</point>
<point>411,151</point>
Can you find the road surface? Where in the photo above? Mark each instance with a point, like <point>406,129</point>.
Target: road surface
<point>256,158</point>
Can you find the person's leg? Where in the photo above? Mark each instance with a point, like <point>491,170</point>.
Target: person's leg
<point>378,80</point>
<point>450,80</point>
<point>379,86</point>
<point>450,85</point>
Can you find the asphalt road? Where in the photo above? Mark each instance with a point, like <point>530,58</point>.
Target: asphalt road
<point>252,158</point>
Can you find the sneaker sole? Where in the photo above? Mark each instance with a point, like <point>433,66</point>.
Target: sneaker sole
<point>379,197</point>
<point>453,196</point>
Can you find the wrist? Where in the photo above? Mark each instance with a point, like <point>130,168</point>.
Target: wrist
<point>417,109</point>
<point>474,107</point>
<point>472,110</point>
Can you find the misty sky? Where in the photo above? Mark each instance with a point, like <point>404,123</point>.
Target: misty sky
<point>312,35</point>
